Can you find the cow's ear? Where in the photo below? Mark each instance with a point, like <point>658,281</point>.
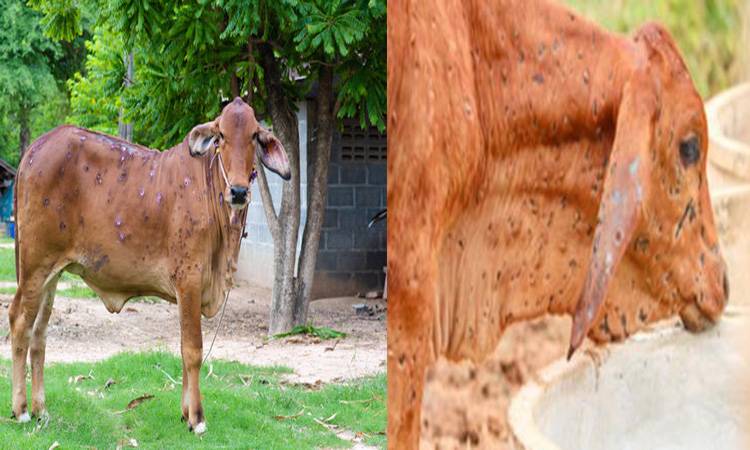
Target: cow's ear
<point>203,137</point>
<point>626,184</point>
<point>272,153</point>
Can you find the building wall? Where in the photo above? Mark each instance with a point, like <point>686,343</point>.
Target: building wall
<point>351,256</point>
<point>255,262</point>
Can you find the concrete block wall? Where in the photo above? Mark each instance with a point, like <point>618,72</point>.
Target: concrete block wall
<point>351,256</point>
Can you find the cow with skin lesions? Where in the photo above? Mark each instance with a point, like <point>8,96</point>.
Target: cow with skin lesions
<point>131,221</point>
<point>537,164</point>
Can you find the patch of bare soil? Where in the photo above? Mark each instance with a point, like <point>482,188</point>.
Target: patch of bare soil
<point>465,404</point>
<point>83,330</point>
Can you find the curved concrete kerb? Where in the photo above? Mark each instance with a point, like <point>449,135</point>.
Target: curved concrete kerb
<point>728,116</point>
<point>664,388</point>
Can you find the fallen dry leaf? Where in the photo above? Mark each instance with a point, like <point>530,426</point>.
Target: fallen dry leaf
<point>124,443</point>
<point>78,378</point>
<point>137,401</point>
<point>245,379</point>
<point>293,416</point>
<point>54,445</point>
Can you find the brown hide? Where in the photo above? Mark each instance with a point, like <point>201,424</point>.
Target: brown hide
<point>132,221</point>
<point>129,220</point>
<point>536,165</point>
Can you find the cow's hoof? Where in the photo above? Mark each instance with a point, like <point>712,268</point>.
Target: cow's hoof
<point>200,428</point>
<point>23,418</point>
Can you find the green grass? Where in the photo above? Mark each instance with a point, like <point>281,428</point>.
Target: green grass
<point>245,407</point>
<point>7,264</point>
<point>309,330</point>
<point>8,267</point>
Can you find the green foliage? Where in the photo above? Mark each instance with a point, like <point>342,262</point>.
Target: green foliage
<point>32,75</point>
<point>309,330</point>
<point>187,53</point>
<point>329,26</point>
<point>25,75</point>
<point>62,18</point>
<point>708,32</point>
<point>95,98</point>
<point>245,407</point>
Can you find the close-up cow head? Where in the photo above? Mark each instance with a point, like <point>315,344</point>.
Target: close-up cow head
<point>655,237</point>
<point>237,137</point>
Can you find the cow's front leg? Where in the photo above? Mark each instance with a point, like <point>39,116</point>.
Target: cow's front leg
<point>192,352</point>
<point>411,351</point>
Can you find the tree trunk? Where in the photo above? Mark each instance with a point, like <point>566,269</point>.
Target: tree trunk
<point>234,85</point>
<point>24,130</point>
<point>317,188</point>
<point>125,130</point>
<point>250,71</point>
<point>286,224</point>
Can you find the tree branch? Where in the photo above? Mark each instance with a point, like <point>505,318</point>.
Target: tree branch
<point>265,194</point>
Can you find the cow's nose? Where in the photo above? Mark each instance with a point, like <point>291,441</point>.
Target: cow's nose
<point>239,194</point>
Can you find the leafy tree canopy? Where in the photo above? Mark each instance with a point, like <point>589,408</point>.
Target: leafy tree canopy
<point>188,52</point>
<point>33,70</point>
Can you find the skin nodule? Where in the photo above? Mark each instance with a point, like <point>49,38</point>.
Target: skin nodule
<point>543,165</point>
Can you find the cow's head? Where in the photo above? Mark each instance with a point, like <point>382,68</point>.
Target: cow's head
<point>655,231</point>
<point>235,134</point>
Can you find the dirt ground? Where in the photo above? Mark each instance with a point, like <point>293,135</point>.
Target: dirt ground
<point>465,404</point>
<point>83,330</point>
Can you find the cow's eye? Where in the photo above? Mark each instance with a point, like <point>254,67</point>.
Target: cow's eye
<point>690,151</point>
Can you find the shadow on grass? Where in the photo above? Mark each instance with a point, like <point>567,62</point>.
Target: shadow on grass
<point>245,407</point>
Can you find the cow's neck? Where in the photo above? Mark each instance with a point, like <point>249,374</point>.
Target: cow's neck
<point>228,232</point>
<point>547,104</point>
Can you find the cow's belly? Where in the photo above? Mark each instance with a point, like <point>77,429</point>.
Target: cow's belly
<point>115,283</point>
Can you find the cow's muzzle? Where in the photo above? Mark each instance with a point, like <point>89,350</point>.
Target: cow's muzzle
<point>238,196</point>
<point>705,309</point>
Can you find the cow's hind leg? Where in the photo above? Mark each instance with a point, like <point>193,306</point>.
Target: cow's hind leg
<point>22,314</point>
<point>38,347</point>
<point>189,304</point>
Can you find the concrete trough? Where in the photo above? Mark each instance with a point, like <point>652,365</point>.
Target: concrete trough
<point>664,388</point>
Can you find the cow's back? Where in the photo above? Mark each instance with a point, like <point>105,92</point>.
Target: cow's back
<point>111,211</point>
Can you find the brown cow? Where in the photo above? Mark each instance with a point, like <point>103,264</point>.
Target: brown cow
<point>537,164</point>
<point>132,221</point>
